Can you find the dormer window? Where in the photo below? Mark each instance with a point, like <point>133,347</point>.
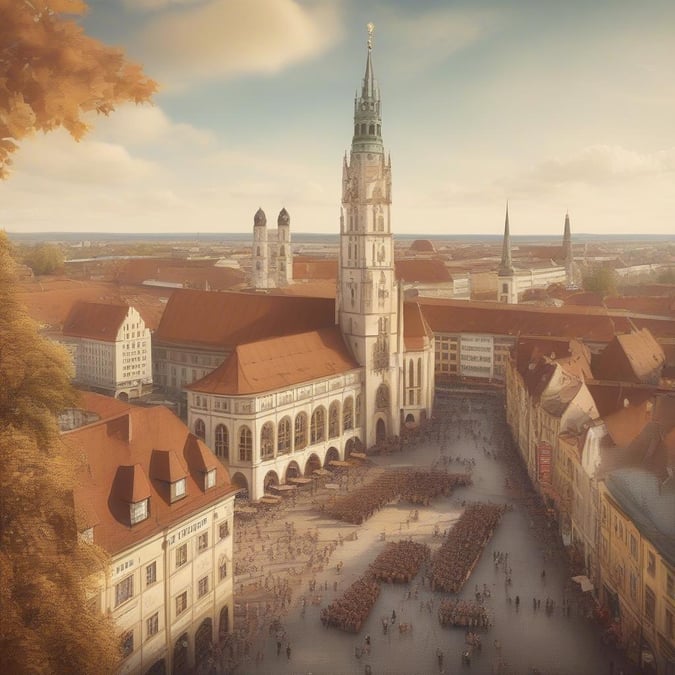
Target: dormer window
<point>178,489</point>
<point>210,479</point>
<point>139,511</point>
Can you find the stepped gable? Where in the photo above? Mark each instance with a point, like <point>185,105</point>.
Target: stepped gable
<point>225,320</point>
<point>118,452</point>
<point>279,363</point>
<point>95,321</point>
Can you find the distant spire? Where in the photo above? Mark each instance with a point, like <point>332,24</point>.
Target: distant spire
<point>367,113</point>
<point>567,238</point>
<point>368,89</point>
<point>506,265</point>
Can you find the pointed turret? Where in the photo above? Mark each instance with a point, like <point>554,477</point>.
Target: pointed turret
<point>367,117</point>
<point>284,220</point>
<point>506,265</point>
<point>260,219</point>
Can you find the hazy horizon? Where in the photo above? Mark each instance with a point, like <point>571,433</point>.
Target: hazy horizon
<point>554,107</point>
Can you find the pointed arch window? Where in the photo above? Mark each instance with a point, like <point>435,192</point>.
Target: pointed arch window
<point>245,444</point>
<point>371,130</point>
<point>334,420</point>
<point>300,437</point>
<point>348,414</point>
<point>284,436</point>
<point>267,441</point>
<point>318,425</point>
<point>222,442</point>
<point>200,428</point>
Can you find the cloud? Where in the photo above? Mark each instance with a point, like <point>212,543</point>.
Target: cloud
<point>593,166</point>
<point>425,39</point>
<point>225,38</point>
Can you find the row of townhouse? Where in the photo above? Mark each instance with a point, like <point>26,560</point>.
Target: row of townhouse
<point>601,452</point>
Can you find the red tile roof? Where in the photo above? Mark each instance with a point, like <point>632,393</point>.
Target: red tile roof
<point>422,246</point>
<point>118,454</point>
<point>631,357</point>
<point>314,268</point>
<point>428,270</point>
<point>225,320</point>
<point>277,363</point>
<point>416,331</point>
<point>462,316</point>
<point>96,321</point>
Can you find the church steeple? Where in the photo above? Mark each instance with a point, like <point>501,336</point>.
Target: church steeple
<point>567,241</point>
<point>506,265</point>
<point>367,112</point>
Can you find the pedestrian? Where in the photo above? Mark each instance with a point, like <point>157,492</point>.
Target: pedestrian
<point>517,601</point>
<point>278,647</point>
<point>288,652</point>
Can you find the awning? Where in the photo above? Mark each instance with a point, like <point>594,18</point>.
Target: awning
<point>321,472</point>
<point>357,455</point>
<point>332,486</point>
<point>282,488</point>
<point>270,499</point>
<point>584,582</point>
<point>299,481</point>
<point>339,463</point>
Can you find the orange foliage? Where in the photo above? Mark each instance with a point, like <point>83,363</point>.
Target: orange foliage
<point>51,72</point>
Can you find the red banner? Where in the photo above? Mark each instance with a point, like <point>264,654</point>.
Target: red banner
<point>544,453</point>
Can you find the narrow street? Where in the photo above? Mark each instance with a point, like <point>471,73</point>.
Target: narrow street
<point>539,618</point>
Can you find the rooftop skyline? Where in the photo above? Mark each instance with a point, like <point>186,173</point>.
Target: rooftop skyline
<point>556,107</point>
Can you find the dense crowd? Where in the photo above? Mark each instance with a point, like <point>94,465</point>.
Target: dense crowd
<point>452,564</point>
<point>415,487</point>
<point>400,562</point>
<point>350,610</point>
<point>464,613</point>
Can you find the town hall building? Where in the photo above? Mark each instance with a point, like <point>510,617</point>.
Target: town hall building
<point>328,376</point>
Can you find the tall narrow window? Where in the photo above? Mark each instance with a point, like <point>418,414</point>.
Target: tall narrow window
<point>284,436</point>
<point>200,428</point>
<point>334,420</point>
<point>267,441</point>
<point>348,414</point>
<point>318,426</point>
<point>222,442</point>
<point>245,444</point>
<point>357,410</point>
<point>300,439</point>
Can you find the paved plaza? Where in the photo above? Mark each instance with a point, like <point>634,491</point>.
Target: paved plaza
<point>293,561</point>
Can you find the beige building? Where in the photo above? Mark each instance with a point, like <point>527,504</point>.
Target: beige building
<point>111,349</point>
<point>158,502</point>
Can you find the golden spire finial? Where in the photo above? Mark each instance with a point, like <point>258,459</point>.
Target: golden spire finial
<point>371,28</point>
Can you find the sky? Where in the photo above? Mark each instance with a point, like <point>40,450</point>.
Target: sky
<point>553,106</point>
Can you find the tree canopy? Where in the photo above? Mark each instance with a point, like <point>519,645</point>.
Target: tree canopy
<point>600,280</point>
<point>47,623</point>
<point>43,258</point>
<point>51,73</point>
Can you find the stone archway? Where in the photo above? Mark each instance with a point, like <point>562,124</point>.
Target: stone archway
<point>180,656</point>
<point>123,396</point>
<point>313,462</point>
<point>157,668</point>
<point>224,623</point>
<point>239,481</point>
<point>380,431</point>
<point>292,471</point>
<point>350,447</point>
<point>333,455</point>
<point>271,478</point>
<point>410,418</point>
<point>203,641</point>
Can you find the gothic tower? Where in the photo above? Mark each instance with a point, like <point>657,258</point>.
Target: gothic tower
<point>260,252</point>
<point>284,254</point>
<point>567,252</point>
<point>506,276</point>
<point>367,305</point>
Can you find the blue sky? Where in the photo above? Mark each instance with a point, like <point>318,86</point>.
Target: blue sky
<point>552,105</point>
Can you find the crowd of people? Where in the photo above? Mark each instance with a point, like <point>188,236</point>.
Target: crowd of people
<point>349,611</point>
<point>400,562</point>
<point>452,564</point>
<point>465,613</point>
<point>412,486</point>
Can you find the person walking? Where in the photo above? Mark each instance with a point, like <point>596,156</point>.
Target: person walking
<point>288,652</point>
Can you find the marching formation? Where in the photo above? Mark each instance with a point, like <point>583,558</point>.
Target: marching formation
<point>350,611</point>
<point>400,562</point>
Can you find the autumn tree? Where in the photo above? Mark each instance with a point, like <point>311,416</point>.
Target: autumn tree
<point>43,258</point>
<point>601,280</point>
<point>51,73</point>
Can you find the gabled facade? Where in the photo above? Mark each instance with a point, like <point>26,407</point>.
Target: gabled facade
<point>111,349</point>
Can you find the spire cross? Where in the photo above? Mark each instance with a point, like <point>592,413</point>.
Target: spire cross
<point>371,28</point>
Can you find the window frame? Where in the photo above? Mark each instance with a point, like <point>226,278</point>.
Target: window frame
<point>123,594</point>
<point>181,555</point>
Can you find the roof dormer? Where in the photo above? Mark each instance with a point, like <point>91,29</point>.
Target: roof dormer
<point>168,468</point>
<point>132,487</point>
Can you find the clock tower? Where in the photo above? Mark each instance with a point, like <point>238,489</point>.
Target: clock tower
<point>367,304</point>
